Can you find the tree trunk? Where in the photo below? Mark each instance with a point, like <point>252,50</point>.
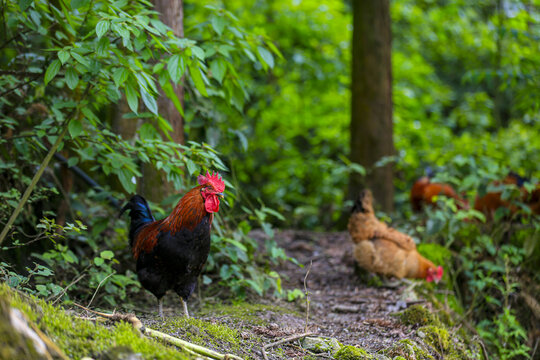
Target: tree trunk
<point>371,105</point>
<point>153,182</point>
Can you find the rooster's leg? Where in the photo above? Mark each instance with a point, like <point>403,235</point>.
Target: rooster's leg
<point>160,307</point>
<point>184,305</point>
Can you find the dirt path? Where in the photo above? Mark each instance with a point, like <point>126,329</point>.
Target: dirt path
<point>341,305</point>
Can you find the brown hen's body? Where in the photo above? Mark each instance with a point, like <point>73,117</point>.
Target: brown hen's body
<point>381,249</point>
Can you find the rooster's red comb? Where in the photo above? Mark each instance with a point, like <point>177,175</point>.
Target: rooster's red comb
<point>215,180</point>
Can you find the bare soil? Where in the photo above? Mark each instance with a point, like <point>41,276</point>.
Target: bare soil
<point>341,304</point>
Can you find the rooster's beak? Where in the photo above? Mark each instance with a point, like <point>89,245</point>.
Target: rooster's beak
<point>221,195</point>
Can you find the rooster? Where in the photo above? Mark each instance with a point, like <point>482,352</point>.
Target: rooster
<point>423,192</point>
<point>171,253</point>
<point>383,250</point>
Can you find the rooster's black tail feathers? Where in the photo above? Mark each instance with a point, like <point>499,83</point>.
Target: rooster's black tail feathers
<point>140,215</point>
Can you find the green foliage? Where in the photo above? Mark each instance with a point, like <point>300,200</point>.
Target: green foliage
<point>509,336</point>
<point>69,65</point>
<point>465,102</point>
<point>485,259</point>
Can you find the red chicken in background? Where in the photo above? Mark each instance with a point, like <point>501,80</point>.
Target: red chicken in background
<point>423,193</point>
<point>171,253</point>
<point>491,201</point>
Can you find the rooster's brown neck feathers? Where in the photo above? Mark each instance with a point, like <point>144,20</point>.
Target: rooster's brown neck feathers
<point>187,214</point>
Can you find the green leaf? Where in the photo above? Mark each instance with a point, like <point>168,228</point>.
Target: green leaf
<point>148,132</point>
<point>196,76</point>
<point>102,27</point>
<point>266,56</point>
<point>102,46</point>
<point>24,4</point>
<point>120,76</point>
<point>218,68</point>
<point>75,4</point>
<point>107,254</point>
<point>218,23</point>
<point>274,49</point>
<point>52,70</point>
<point>176,68</point>
<point>171,94</point>
<point>255,286</point>
<point>72,78</point>
<point>42,289</point>
<point>125,176</point>
<point>131,96</point>
<point>75,128</point>
<point>80,59</point>
<point>191,166</point>
<point>64,56</point>
<point>149,101</point>
<point>225,272</point>
<point>198,52</point>
<point>73,161</point>
<point>98,261</point>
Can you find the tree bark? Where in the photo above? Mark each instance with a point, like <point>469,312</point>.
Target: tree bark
<point>153,182</point>
<point>371,127</point>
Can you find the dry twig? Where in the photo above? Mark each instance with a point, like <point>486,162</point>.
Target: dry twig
<point>66,289</point>
<point>307,296</point>
<point>282,341</point>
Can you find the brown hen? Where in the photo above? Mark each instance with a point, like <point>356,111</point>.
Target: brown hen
<point>383,250</point>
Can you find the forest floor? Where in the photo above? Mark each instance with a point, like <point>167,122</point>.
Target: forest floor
<point>349,318</point>
<point>341,307</point>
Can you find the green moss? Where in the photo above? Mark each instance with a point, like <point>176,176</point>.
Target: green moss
<point>79,338</point>
<point>244,311</point>
<point>321,345</point>
<point>408,350</point>
<point>437,337</point>
<point>451,347</point>
<point>353,353</point>
<point>417,315</point>
<point>202,332</point>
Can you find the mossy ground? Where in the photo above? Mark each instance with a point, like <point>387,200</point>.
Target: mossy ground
<point>211,334</point>
<point>407,350</point>
<point>353,353</point>
<point>342,307</point>
<point>78,338</point>
<point>417,315</point>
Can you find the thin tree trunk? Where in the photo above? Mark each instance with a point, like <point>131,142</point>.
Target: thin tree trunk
<point>153,183</point>
<point>371,108</point>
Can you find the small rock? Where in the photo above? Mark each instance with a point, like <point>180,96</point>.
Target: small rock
<point>321,345</point>
<point>345,308</point>
<point>120,353</point>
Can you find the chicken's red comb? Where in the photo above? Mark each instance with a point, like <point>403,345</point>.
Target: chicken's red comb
<point>215,180</point>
